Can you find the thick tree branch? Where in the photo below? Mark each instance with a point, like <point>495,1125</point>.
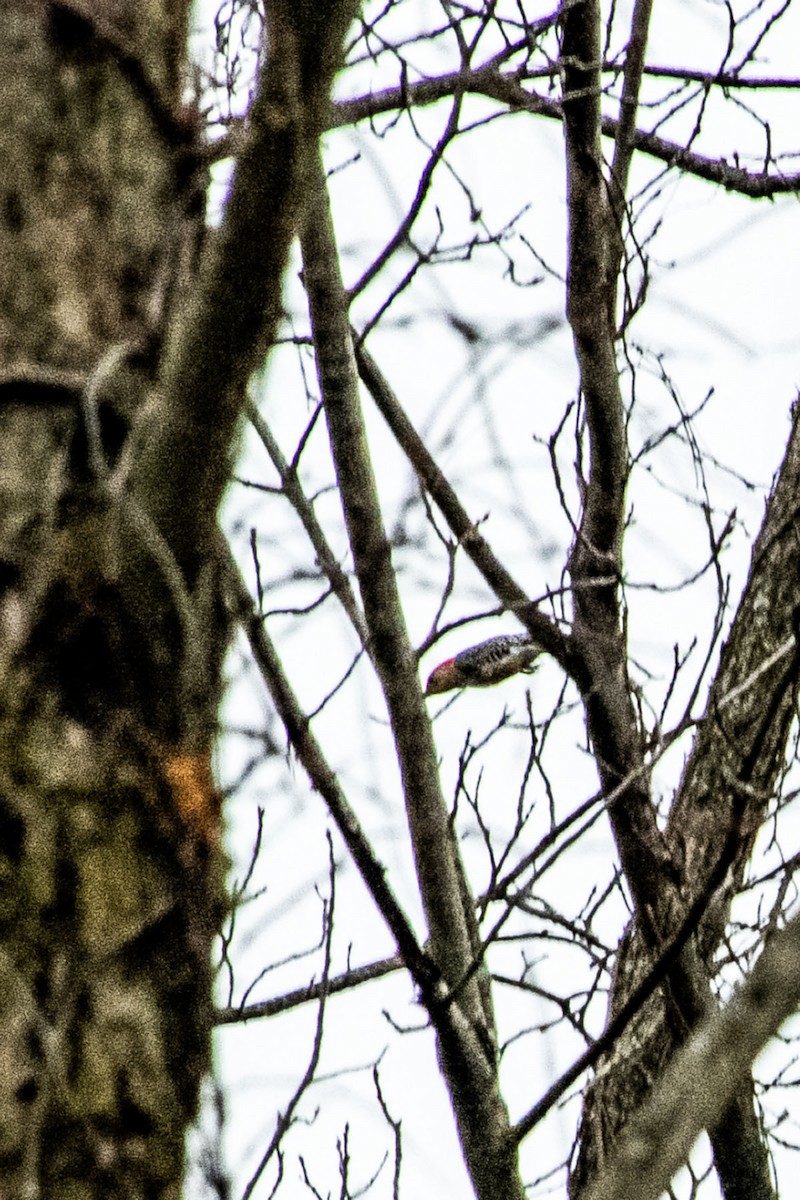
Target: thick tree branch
<point>728,783</point>
<point>739,751</point>
<point>482,1118</point>
<point>595,559</point>
<point>184,460</point>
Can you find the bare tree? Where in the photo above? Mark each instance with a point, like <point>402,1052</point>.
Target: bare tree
<point>419,88</point>
<point>131,335</point>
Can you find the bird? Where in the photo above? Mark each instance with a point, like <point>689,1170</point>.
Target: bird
<point>483,665</point>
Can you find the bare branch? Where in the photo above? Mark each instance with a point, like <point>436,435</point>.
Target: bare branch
<point>626,130</point>
<point>236,1013</point>
<point>293,490</point>
<point>507,89</point>
<point>286,1118</point>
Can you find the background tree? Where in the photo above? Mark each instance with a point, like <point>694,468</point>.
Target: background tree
<point>532,467</point>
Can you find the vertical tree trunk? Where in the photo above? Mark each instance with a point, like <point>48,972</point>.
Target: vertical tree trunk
<point>108,897</point>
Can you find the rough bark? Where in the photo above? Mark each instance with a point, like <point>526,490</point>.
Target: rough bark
<point>108,902</point>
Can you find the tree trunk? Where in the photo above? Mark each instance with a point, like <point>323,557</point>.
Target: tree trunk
<point>109,894</point>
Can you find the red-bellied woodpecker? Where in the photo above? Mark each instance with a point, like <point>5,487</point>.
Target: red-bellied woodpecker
<point>487,663</point>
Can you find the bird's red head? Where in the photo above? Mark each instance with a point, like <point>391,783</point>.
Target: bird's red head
<point>442,678</point>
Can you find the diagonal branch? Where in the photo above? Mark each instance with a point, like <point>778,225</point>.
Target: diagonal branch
<point>184,459</point>
<point>481,1114</point>
<point>327,785</point>
<point>469,1067</point>
<point>741,745</point>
